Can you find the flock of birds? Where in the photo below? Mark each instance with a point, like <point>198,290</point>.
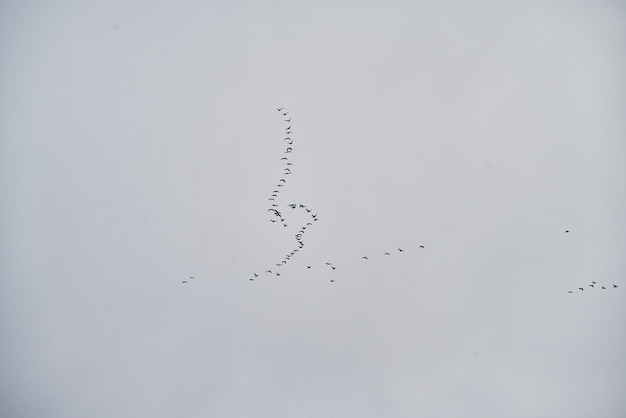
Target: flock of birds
<point>279,216</point>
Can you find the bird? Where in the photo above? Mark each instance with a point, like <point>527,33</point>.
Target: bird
<point>256,275</point>
<point>580,288</point>
<point>283,180</point>
<point>292,205</point>
<point>593,282</point>
<point>287,120</point>
<point>251,279</point>
<point>614,285</point>
<point>421,246</point>
<point>329,264</point>
<point>268,271</point>
<point>285,114</point>
<point>400,249</point>
<point>365,258</point>
<point>569,291</point>
<point>273,220</point>
<point>280,109</point>
<point>333,267</point>
<point>302,206</point>
<point>387,254</point>
<point>566,231</point>
<point>308,267</point>
<point>288,128</point>
<point>603,287</point>
<point>279,185</point>
<point>184,281</point>
<point>308,210</point>
<point>591,285</point>
<point>278,274</point>
<point>332,280</point>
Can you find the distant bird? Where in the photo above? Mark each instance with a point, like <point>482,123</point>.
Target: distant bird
<point>566,231</point>
<point>309,223</point>
<point>309,210</point>
<point>279,185</point>
<point>333,267</point>
<point>287,120</point>
<point>400,249</point>
<point>288,128</point>
<point>251,279</point>
<point>308,267</point>
<point>284,225</point>
<point>421,246</point>
<point>278,274</point>
<point>284,158</point>
<point>580,288</point>
<point>289,149</point>
<point>292,205</point>
<point>285,114</point>
<point>332,281</point>
<point>268,271</point>
<point>365,258</point>
<point>591,285</point>
<point>593,282</point>
<point>273,220</point>
<point>387,254</point>
<point>283,180</point>
<point>302,206</point>
<point>329,264</point>
<point>614,285</point>
<point>191,277</point>
<point>289,163</point>
<point>256,275</point>
<point>569,291</point>
<point>280,109</point>
<point>603,287</point>
<point>271,198</point>
<point>184,281</point>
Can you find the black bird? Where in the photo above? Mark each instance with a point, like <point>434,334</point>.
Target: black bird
<point>184,281</point>
<point>333,267</point>
<point>309,210</point>
<point>268,271</point>
<point>285,114</point>
<point>272,220</point>
<point>329,264</point>
<point>280,109</point>
<point>400,249</point>
<point>603,287</point>
<point>569,291</point>
<point>289,163</point>
<point>580,288</point>
<point>256,275</point>
<point>387,254</point>
<point>271,198</point>
<point>278,274</point>
<point>191,277</point>
<point>285,225</point>
<point>591,285</point>
<point>566,231</point>
<point>287,120</point>
<point>289,149</point>
<point>308,267</point>
<point>280,185</point>
<point>288,128</point>
<point>284,158</point>
<point>302,206</point>
<point>593,282</point>
<point>292,205</point>
<point>309,223</point>
<point>251,279</point>
<point>283,180</point>
<point>614,285</point>
<point>365,258</point>
<point>421,246</point>
<point>332,281</point>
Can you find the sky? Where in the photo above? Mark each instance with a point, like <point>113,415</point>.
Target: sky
<point>140,142</point>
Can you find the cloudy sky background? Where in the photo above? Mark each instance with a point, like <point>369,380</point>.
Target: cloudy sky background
<point>139,142</point>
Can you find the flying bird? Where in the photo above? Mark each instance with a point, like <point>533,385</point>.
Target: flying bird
<point>569,291</point>
<point>256,275</point>
<point>268,271</point>
<point>387,254</point>
<point>566,231</point>
<point>329,264</point>
<point>603,287</point>
<point>280,109</point>
<point>400,249</point>
<point>614,285</point>
<point>308,267</point>
<point>184,281</point>
<point>332,281</point>
<point>365,258</point>
<point>580,288</point>
<point>421,246</point>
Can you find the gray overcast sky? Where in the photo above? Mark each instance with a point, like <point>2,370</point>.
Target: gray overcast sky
<point>139,142</point>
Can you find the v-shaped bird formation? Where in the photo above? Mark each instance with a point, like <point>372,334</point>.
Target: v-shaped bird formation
<point>282,216</point>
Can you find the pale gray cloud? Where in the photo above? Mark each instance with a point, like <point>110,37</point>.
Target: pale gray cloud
<point>139,143</point>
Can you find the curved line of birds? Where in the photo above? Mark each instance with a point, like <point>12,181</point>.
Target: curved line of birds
<point>279,217</point>
<point>595,285</point>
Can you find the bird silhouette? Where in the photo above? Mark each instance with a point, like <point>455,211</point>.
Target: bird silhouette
<point>184,281</point>
<point>566,231</point>
<point>268,271</point>
<point>280,109</point>
<point>365,258</point>
<point>332,280</point>
<point>421,246</point>
<point>400,249</point>
<point>614,285</point>
<point>308,267</point>
<point>580,288</point>
<point>256,275</point>
<point>387,254</point>
<point>603,287</point>
<point>569,291</point>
